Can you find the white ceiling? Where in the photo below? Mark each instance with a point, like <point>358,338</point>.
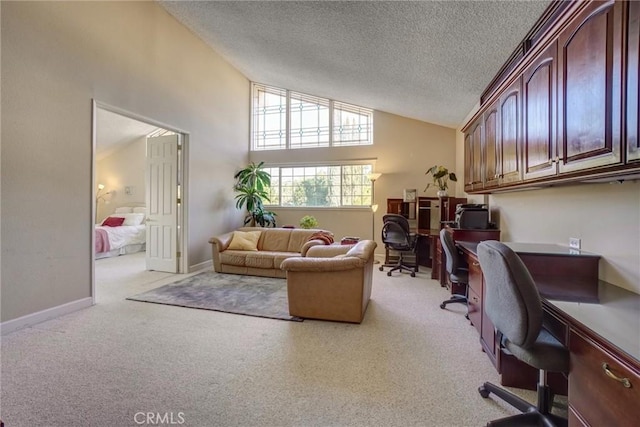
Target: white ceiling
<point>428,60</point>
<point>114,132</point>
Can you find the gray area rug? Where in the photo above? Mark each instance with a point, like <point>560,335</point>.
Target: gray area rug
<point>230,293</point>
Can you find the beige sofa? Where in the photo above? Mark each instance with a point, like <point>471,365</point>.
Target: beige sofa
<point>274,246</point>
<point>331,282</point>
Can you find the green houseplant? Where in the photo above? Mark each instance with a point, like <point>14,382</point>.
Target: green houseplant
<point>308,221</point>
<point>441,176</point>
<point>251,187</point>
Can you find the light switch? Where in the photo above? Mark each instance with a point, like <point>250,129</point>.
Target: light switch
<point>128,190</point>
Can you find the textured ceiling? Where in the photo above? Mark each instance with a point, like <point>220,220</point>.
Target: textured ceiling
<point>428,60</point>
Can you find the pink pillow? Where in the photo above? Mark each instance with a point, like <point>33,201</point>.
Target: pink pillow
<point>113,222</point>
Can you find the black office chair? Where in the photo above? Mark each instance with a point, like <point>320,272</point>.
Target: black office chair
<point>397,236</point>
<point>512,302</point>
<point>456,267</point>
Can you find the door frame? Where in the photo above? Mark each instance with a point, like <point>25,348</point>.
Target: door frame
<point>183,174</point>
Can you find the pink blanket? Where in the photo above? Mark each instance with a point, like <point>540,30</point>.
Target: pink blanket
<point>102,241</point>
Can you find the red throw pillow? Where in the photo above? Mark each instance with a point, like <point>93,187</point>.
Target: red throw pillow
<point>113,222</point>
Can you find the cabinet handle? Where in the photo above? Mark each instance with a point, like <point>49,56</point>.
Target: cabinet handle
<point>625,381</point>
<point>476,264</point>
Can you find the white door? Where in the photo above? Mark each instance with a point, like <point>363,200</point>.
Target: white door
<point>162,203</point>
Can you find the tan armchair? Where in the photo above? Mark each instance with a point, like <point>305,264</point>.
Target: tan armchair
<point>331,282</point>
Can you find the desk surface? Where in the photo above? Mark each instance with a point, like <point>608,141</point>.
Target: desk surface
<point>616,318</point>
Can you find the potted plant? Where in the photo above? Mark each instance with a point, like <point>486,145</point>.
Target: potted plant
<point>441,176</point>
<point>251,185</point>
<point>308,221</point>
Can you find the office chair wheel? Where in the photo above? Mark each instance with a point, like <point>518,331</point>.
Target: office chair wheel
<point>443,305</point>
<point>413,274</point>
<point>381,268</point>
<point>483,391</point>
<point>389,273</point>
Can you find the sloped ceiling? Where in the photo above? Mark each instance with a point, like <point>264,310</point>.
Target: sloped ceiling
<point>428,60</point>
<point>114,132</point>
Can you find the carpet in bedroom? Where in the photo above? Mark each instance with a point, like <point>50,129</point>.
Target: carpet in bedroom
<point>229,293</point>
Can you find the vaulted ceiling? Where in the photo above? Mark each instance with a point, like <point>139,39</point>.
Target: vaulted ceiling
<point>428,60</point>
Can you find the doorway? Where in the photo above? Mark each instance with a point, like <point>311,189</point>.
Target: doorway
<point>128,182</point>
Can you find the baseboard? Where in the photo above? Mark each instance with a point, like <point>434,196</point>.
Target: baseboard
<point>206,265</point>
<point>44,315</point>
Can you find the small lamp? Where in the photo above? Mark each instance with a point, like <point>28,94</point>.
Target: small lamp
<point>101,196</point>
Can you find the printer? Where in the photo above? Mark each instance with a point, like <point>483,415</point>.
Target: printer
<point>472,216</point>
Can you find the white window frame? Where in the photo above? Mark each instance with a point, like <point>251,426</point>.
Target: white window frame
<point>287,146</point>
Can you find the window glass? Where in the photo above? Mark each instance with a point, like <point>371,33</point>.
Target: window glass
<point>351,125</point>
<point>321,186</point>
<point>309,121</point>
<point>290,120</point>
<point>269,118</point>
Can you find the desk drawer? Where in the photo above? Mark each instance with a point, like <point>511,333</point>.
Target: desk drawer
<point>475,276</point>
<point>474,304</point>
<point>596,397</point>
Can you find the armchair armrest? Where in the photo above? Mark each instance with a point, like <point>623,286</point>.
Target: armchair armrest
<point>310,244</point>
<point>219,244</point>
<point>327,251</point>
<point>222,242</point>
<point>321,264</point>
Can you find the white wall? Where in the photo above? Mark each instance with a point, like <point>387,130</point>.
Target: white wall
<point>122,168</point>
<point>56,58</point>
<point>403,150</point>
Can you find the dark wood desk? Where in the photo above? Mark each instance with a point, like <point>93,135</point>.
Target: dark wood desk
<point>601,337</point>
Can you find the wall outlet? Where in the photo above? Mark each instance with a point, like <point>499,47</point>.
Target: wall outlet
<point>574,242</point>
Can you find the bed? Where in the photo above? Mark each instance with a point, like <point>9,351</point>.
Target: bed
<point>122,232</point>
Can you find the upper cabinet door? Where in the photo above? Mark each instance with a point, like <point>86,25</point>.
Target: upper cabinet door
<point>468,161</point>
<point>539,99</point>
<point>490,149</point>
<point>476,148</point>
<point>509,134</point>
<point>589,78</point>
<point>633,87</point>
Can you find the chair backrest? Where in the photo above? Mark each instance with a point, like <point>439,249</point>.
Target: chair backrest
<point>512,301</point>
<point>454,261</point>
<point>398,219</point>
<point>395,237</point>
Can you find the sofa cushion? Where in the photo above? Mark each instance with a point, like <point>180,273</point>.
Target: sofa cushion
<point>260,259</point>
<point>232,257</point>
<point>245,240</point>
<point>275,240</point>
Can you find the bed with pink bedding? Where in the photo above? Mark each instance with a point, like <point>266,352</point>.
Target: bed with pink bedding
<point>120,233</point>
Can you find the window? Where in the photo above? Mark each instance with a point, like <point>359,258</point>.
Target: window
<point>320,186</point>
<point>351,125</point>
<point>309,121</point>
<point>284,119</point>
<point>269,118</point>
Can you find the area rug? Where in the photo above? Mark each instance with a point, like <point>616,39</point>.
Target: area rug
<point>230,293</point>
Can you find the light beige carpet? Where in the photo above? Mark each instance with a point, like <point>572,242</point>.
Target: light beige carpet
<point>408,364</point>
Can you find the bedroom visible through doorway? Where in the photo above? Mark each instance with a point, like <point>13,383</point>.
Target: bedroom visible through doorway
<point>136,202</point>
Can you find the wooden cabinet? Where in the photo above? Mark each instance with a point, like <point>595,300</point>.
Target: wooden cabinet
<point>468,162</point>
<point>482,323</point>
<point>590,83</point>
<point>510,125</point>
<point>633,85</point>
<point>476,156</point>
<point>490,150</point>
<point>568,110</point>
<point>539,93</point>
<point>400,207</point>
<point>602,386</point>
